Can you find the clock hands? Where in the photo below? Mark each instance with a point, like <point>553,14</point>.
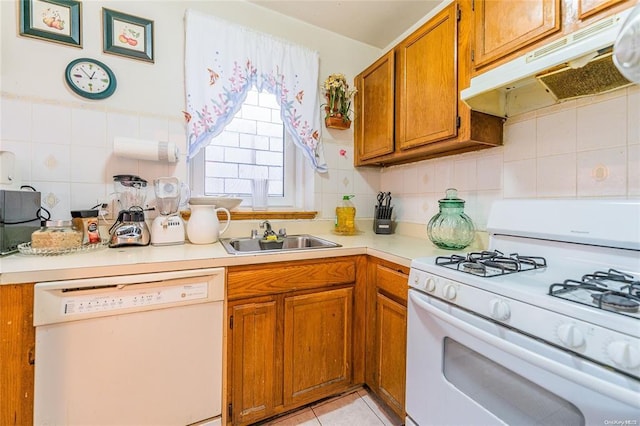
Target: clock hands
<point>85,73</point>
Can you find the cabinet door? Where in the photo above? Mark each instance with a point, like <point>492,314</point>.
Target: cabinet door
<point>391,340</point>
<point>426,83</point>
<point>375,109</point>
<point>588,8</point>
<point>506,26</point>
<point>317,344</point>
<point>17,349</point>
<point>254,361</point>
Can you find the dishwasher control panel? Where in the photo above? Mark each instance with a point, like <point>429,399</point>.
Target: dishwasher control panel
<point>127,297</point>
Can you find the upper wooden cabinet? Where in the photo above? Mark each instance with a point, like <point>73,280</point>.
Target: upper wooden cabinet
<point>418,84</point>
<point>426,88</point>
<point>587,8</point>
<point>505,29</point>
<point>506,26</point>
<point>375,108</point>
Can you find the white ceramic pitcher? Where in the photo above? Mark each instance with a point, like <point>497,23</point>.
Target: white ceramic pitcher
<point>203,226</point>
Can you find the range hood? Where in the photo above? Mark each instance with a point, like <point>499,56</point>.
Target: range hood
<point>577,65</point>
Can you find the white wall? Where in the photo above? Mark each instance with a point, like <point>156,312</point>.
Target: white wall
<point>64,143</point>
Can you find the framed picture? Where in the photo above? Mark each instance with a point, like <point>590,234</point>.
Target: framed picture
<point>51,20</point>
<point>127,35</point>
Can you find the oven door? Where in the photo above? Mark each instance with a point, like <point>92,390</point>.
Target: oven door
<point>464,369</point>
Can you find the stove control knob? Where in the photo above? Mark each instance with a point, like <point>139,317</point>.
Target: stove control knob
<point>624,354</point>
<point>449,292</point>
<point>571,336</point>
<point>430,285</point>
<point>499,310</point>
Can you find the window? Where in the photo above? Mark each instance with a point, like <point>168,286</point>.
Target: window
<point>253,145</point>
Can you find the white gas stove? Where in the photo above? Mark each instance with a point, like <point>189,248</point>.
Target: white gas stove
<point>564,273</point>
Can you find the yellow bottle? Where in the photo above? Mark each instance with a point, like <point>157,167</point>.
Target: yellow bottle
<point>346,217</point>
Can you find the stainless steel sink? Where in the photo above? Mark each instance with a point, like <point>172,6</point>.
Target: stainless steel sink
<point>291,242</point>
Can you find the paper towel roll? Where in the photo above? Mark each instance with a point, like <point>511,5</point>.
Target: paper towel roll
<point>142,149</point>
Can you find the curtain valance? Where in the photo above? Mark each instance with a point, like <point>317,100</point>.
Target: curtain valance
<point>224,60</point>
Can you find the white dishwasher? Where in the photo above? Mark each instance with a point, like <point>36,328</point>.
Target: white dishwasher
<point>130,350</point>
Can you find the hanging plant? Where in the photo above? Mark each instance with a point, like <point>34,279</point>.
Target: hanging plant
<point>339,96</point>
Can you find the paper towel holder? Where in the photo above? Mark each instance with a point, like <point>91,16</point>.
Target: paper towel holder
<point>149,150</point>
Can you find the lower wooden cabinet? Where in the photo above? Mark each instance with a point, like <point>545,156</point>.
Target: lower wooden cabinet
<point>17,354</point>
<point>254,360</point>
<point>292,335</point>
<point>387,337</point>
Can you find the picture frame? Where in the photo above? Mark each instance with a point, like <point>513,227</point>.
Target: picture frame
<point>127,35</point>
<point>58,21</point>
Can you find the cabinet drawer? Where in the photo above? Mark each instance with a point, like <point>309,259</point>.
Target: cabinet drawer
<point>392,282</point>
<point>282,277</point>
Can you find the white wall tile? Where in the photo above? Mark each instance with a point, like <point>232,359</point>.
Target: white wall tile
<point>443,175</point>
<point>556,176</point>
<point>88,127</point>
<point>520,179</point>
<point>15,119</point>
<point>51,124</point>
<point>88,164</point>
<point>154,128</point>
<point>51,162</point>
<point>489,172</point>
<point>593,133</point>
<point>123,125</point>
<point>410,179</point>
<point>633,170</point>
<point>556,133</point>
<point>602,172</point>
<point>464,174</point>
<point>392,179</point>
<point>519,140</point>
<point>633,115</point>
<point>87,195</point>
<point>345,182</point>
<point>426,176</point>
<point>366,181</point>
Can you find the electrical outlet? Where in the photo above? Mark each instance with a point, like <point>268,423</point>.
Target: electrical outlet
<point>108,210</point>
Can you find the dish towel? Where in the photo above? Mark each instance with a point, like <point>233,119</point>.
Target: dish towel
<point>224,60</point>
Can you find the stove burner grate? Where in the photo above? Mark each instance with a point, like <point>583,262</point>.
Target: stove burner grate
<point>625,299</point>
<point>491,263</point>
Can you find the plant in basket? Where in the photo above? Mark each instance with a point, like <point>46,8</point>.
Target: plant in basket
<point>339,96</point>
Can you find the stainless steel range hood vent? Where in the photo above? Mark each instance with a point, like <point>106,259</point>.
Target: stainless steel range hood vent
<point>574,66</point>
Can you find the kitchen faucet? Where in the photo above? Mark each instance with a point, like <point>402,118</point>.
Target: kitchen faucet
<point>282,232</point>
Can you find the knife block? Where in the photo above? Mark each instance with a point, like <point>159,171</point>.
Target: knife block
<point>383,226</point>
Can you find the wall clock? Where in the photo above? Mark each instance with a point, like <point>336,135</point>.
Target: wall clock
<point>90,79</point>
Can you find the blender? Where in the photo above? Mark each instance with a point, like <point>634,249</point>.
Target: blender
<point>130,228</point>
<point>168,227</point>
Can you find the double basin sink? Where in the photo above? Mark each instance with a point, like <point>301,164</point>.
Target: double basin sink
<point>250,245</point>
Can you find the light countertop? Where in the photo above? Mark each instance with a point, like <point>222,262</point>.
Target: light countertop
<point>18,268</point>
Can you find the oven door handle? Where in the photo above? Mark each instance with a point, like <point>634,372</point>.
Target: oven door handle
<point>618,393</point>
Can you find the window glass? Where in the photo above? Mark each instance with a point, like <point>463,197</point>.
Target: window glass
<point>253,145</point>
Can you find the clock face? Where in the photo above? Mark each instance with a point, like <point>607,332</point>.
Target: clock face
<point>90,79</point>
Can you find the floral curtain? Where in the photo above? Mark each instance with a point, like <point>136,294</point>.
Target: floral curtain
<point>223,61</point>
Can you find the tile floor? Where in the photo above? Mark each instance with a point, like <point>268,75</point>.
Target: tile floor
<point>354,408</point>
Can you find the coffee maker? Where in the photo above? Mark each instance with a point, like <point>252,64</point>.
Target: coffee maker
<point>168,227</point>
<point>130,229</point>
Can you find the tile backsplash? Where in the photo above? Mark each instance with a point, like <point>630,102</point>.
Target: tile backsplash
<point>581,148</point>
